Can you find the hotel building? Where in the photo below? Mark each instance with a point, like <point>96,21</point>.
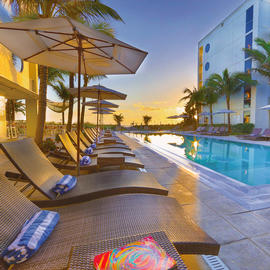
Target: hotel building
<point>223,48</point>
<point>18,81</point>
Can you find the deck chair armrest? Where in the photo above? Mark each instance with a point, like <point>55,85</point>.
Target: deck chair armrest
<point>16,176</point>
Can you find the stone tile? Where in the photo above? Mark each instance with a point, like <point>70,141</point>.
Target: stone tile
<point>182,195</point>
<point>244,255</point>
<point>219,229</point>
<point>264,213</point>
<point>249,224</point>
<point>198,211</point>
<point>263,242</point>
<point>221,204</point>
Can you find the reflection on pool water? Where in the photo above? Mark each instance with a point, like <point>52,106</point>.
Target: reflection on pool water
<point>247,163</point>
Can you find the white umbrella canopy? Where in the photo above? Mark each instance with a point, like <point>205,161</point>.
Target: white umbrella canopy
<point>267,107</point>
<point>69,45</point>
<point>100,104</point>
<point>54,42</point>
<point>173,117</point>
<point>224,111</point>
<point>204,114</point>
<point>102,109</point>
<point>98,92</point>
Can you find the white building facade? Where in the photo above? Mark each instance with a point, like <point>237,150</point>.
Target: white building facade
<point>223,48</point>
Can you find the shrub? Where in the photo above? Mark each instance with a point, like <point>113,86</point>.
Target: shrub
<point>48,145</point>
<point>243,128</point>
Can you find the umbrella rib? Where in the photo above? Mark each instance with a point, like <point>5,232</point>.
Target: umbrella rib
<point>112,57</point>
<point>48,48</point>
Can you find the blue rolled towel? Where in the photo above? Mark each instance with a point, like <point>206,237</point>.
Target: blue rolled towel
<point>85,160</point>
<point>93,146</point>
<point>66,183</point>
<point>33,234</point>
<point>89,150</point>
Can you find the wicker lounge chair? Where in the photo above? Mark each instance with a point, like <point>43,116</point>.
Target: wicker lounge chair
<point>36,169</point>
<point>264,136</point>
<point>105,141</point>
<point>102,219</point>
<point>101,160</point>
<point>255,133</point>
<point>96,152</point>
<point>110,149</point>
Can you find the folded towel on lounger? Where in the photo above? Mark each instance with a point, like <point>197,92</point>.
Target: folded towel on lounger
<point>93,146</point>
<point>86,160</point>
<point>89,150</point>
<point>66,183</point>
<point>33,234</point>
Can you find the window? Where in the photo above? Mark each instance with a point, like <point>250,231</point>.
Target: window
<point>17,62</point>
<point>248,65</point>
<point>246,117</point>
<point>249,19</point>
<point>207,66</point>
<point>247,97</point>
<point>207,48</point>
<point>248,44</point>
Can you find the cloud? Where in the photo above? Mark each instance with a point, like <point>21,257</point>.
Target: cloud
<point>142,107</point>
<point>158,102</point>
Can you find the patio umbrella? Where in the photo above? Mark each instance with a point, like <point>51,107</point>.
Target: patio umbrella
<point>98,92</point>
<point>267,107</point>
<point>103,109</point>
<point>173,117</point>
<point>69,45</point>
<point>100,104</point>
<point>183,116</point>
<point>224,111</point>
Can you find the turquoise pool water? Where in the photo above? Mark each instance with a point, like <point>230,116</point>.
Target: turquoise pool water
<point>247,163</point>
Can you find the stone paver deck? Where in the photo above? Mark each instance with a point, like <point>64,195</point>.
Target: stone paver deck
<point>244,235</point>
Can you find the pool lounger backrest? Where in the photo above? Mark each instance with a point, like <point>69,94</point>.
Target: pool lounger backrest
<point>31,162</point>
<point>15,209</point>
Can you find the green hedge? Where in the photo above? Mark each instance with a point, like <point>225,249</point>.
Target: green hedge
<point>243,128</point>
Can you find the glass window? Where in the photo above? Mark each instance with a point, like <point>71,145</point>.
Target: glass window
<point>246,117</point>
<point>249,19</point>
<point>207,66</point>
<point>207,48</point>
<point>247,97</point>
<point>248,65</point>
<point>248,44</point>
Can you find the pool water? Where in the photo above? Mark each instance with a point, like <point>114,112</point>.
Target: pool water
<point>247,163</point>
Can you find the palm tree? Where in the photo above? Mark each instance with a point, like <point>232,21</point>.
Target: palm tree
<point>147,119</point>
<point>118,118</point>
<point>210,97</point>
<point>194,99</point>
<point>228,84</point>
<point>261,57</point>
<point>13,107</point>
<point>83,10</point>
<point>61,91</point>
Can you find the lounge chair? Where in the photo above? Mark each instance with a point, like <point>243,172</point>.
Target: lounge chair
<point>96,152</point>
<point>102,160</point>
<point>105,141</point>
<point>36,169</point>
<point>73,136</point>
<point>255,133</point>
<point>264,136</point>
<point>102,219</point>
<point>207,132</point>
<point>223,131</point>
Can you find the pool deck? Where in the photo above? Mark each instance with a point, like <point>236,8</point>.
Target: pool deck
<point>244,234</point>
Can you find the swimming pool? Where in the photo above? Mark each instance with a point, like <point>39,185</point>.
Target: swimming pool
<point>247,163</point>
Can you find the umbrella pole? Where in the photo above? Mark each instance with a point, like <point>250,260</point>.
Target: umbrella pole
<point>79,105</point>
<point>98,115</point>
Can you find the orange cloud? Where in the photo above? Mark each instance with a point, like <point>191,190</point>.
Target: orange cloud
<point>142,107</point>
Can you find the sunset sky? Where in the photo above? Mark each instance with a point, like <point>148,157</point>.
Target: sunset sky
<point>169,31</point>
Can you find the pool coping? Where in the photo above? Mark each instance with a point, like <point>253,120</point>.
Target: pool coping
<point>250,197</point>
